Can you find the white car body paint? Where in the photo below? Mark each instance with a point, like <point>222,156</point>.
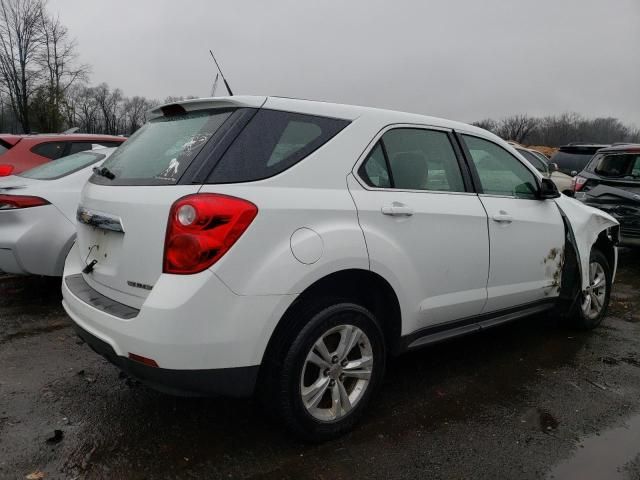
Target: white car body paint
<point>562,180</point>
<point>36,241</point>
<point>447,261</point>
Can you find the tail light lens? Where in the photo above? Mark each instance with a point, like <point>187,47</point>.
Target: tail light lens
<point>202,228</point>
<point>11,202</point>
<point>578,183</point>
<point>5,170</point>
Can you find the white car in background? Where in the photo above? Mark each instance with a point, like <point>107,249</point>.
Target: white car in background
<point>38,213</point>
<point>548,169</point>
<point>288,246</point>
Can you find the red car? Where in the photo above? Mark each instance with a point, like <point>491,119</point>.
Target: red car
<point>22,152</point>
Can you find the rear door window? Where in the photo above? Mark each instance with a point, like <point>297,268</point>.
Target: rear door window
<point>160,151</point>
<point>419,159</point>
<point>51,150</point>
<point>272,142</point>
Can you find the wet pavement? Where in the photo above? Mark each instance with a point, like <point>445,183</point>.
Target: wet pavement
<point>528,400</point>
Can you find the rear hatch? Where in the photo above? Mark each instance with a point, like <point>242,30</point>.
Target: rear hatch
<point>124,210</point>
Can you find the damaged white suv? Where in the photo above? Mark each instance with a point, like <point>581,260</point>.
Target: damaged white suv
<point>287,247</point>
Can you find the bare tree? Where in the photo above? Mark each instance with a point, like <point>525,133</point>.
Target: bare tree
<point>57,58</point>
<point>487,124</point>
<point>20,38</point>
<point>516,127</point>
<point>135,110</point>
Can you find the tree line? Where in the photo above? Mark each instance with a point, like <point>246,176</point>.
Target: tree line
<point>43,86</point>
<point>557,130</point>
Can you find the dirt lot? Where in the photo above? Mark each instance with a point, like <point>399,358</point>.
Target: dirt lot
<point>529,400</point>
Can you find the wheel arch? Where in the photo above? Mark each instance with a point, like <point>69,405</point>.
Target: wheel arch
<point>364,287</point>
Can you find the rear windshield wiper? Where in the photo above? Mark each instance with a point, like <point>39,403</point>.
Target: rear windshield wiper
<point>104,172</point>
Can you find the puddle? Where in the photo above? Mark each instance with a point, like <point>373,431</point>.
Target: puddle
<point>603,455</point>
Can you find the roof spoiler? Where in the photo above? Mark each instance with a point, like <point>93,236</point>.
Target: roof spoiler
<point>206,103</point>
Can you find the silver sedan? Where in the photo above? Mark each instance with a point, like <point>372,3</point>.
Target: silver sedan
<point>38,213</point>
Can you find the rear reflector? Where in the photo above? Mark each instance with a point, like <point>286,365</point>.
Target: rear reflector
<point>202,228</point>
<point>5,170</point>
<point>11,202</point>
<point>150,362</point>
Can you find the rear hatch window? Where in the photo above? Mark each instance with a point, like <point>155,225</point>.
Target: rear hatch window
<point>572,159</point>
<point>161,151</point>
<point>619,165</point>
<point>63,167</point>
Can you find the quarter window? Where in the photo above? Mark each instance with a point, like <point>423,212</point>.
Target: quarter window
<point>272,142</point>
<point>418,160</point>
<point>500,172</point>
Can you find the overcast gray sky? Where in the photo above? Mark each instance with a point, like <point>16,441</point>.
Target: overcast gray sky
<point>464,59</point>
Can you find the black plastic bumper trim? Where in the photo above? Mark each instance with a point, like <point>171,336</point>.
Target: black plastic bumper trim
<point>228,382</point>
<point>81,289</point>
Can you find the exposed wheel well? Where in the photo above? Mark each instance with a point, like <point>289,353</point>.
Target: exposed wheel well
<point>361,286</point>
<point>606,245</point>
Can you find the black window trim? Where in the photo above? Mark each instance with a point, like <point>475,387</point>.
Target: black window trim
<point>377,139</point>
<point>474,172</point>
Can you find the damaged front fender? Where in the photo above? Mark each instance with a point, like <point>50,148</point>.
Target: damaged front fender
<point>587,224</point>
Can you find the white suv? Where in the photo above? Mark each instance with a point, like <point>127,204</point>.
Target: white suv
<point>284,246</point>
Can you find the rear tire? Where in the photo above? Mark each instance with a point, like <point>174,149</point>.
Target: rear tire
<point>331,362</point>
<point>591,307</point>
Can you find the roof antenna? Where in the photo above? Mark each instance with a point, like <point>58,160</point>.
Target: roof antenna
<point>215,85</point>
<point>221,74</point>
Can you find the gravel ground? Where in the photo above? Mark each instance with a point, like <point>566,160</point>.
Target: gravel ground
<point>523,401</point>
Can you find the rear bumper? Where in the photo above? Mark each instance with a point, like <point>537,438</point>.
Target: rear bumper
<point>231,382</point>
<point>205,339</point>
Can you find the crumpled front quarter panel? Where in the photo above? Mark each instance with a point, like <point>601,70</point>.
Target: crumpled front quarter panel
<point>587,224</point>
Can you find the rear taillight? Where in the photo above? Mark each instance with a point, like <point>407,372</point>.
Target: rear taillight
<point>578,183</point>
<point>202,228</point>
<point>5,170</point>
<point>10,202</point>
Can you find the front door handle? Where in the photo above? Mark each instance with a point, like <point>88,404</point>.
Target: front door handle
<point>502,217</point>
<point>397,209</point>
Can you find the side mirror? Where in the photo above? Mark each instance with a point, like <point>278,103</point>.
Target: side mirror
<point>553,167</point>
<point>548,190</point>
<point>574,173</point>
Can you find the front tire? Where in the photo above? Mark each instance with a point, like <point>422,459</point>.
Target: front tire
<point>332,363</point>
<point>591,306</point>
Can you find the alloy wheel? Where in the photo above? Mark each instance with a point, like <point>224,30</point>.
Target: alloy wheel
<point>594,297</point>
<point>336,373</point>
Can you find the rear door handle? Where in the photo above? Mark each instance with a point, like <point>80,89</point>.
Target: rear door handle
<point>502,217</point>
<point>397,210</point>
